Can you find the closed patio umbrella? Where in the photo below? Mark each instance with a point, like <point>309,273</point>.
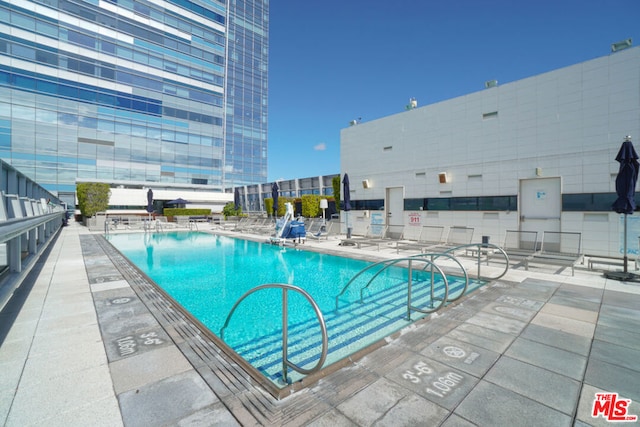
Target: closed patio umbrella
<point>347,201</point>
<point>625,203</point>
<point>150,201</point>
<point>236,198</point>
<point>274,196</point>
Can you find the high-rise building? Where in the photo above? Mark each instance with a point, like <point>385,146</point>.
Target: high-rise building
<point>134,92</point>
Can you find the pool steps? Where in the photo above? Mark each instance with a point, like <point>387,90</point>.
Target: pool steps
<point>381,314</point>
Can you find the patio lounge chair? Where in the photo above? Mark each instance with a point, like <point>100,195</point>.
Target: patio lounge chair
<point>427,236</point>
<point>375,234</point>
<point>558,248</point>
<point>320,230</point>
<point>457,236</point>
<point>518,245</point>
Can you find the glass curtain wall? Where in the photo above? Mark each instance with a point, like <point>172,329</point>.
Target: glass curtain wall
<point>247,106</point>
<point>133,91</point>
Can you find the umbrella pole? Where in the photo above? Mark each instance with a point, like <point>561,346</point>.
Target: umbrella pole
<point>626,258</point>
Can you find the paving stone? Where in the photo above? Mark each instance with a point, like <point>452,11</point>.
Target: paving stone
<point>563,324</point>
<point>626,313</point>
<point>575,303</point>
<point>570,312</point>
<point>142,369</point>
<point>166,402</point>
<point>373,402</point>
<point>615,317</point>
<point>457,421</point>
<point>332,419</point>
<point>67,323</point>
<point>461,355</point>
<point>584,412</point>
<point>385,358</point>
<point>510,311</point>
<point>613,378</point>
<point>435,381</point>
<point>584,293</point>
<point>40,402</point>
<point>616,355</point>
<point>621,299</point>
<point>520,302</point>
<point>482,337</point>
<point>617,336</point>
<point>412,411</point>
<point>47,366</point>
<point>555,338</point>
<point>554,359</point>
<point>543,386</point>
<point>497,323</point>
<point>492,405</point>
<point>213,415</point>
<point>6,398</point>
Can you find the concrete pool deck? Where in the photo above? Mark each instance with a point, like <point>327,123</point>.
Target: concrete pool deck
<point>85,341</point>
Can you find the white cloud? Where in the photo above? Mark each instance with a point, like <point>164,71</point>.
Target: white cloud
<point>320,147</point>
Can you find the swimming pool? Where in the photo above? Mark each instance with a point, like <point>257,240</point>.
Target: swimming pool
<point>207,274</point>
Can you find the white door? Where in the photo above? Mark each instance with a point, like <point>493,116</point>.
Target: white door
<point>540,205</point>
<point>394,206</point>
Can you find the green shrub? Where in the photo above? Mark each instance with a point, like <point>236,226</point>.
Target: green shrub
<point>186,212</point>
<point>230,210</point>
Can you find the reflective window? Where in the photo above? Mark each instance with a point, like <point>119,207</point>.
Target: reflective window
<point>589,202</point>
<point>81,39</point>
<point>22,51</point>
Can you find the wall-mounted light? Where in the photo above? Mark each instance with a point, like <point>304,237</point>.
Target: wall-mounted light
<point>538,171</point>
<point>443,178</point>
<point>366,183</point>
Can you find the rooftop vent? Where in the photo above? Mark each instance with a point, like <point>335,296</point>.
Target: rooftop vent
<point>621,45</point>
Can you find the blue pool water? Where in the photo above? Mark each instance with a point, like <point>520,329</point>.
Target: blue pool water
<point>208,273</point>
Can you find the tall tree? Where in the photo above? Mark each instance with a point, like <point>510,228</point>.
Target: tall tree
<point>335,183</point>
<point>93,197</point>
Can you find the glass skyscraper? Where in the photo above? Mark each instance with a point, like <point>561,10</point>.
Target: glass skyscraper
<point>133,92</point>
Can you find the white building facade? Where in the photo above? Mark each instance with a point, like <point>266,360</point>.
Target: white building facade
<point>535,154</point>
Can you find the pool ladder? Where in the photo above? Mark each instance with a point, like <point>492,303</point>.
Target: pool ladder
<point>286,363</point>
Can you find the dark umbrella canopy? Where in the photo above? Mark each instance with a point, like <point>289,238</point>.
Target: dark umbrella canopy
<point>150,200</point>
<point>626,179</point>
<point>347,193</point>
<point>274,196</point>
<point>236,198</point>
<point>178,201</point>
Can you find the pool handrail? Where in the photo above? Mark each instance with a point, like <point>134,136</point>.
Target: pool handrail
<point>395,261</point>
<point>388,263</point>
<point>285,326</point>
<point>435,255</point>
<point>480,247</point>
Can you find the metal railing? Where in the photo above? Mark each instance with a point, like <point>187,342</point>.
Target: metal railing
<point>384,265</point>
<point>286,363</point>
<point>25,235</point>
<point>480,247</point>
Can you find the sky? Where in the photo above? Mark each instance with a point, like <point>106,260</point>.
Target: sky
<point>334,61</point>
